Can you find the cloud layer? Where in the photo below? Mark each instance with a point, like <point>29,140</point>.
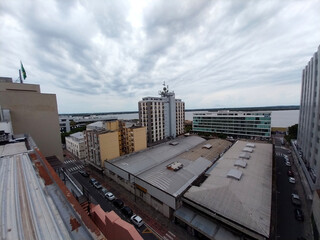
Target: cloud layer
<point>101,56</point>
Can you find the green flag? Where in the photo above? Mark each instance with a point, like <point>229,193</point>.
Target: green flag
<point>24,74</point>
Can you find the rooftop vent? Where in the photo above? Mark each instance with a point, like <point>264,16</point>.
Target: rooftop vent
<point>240,163</point>
<point>207,146</point>
<point>234,173</point>
<point>251,145</point>
<point>174,143</point>
<point>175,166</point>
<point>247,149</point>
<point>244,155</point>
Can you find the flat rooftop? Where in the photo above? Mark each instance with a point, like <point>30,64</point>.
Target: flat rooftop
<point>151,164</point>
<point>246,201</point>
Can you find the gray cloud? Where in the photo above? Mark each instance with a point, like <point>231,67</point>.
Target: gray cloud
<point>209,52</point>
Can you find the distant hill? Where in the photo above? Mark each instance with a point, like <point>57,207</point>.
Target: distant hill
<point>268,108</point>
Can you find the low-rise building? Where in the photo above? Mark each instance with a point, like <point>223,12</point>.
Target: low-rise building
<point>76,145</point>
<point>108,140</point>
<point>239,124</point>
<point>161,174</point>
<point>237,194</point>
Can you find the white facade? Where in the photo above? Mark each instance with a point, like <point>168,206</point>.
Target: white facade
<point>163,116</point>
<point>76,145</point>
<point>309,121</point>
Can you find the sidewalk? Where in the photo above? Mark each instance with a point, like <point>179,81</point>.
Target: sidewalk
<point>162,225</point>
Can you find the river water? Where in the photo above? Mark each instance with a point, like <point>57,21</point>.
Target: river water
<point>284,118</point>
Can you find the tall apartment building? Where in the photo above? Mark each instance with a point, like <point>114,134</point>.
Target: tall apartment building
<point>309,121</point>
<point>76,145</point>
<point>34,113</point>
<point>163,116</point>
<point>111,139</point>
<point>245,124</point>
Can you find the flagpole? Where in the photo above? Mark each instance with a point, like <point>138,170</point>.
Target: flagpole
<point>20,76</point>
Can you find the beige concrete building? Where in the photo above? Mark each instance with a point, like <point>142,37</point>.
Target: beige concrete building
<point>76,145</point>
<point>34,113</point>
<point>109,140</point>
<point>163,116</point>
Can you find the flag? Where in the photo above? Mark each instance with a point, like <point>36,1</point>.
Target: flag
<point>24,74</point>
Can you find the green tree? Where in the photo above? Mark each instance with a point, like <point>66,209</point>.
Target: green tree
<point>292,133</point>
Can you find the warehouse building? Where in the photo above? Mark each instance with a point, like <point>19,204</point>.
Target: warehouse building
<point>161,174</point>
<point>236,195</point>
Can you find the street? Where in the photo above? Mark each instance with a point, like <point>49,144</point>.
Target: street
<point>287,226</point>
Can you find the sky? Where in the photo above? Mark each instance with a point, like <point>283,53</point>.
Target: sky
<point>105,56</point>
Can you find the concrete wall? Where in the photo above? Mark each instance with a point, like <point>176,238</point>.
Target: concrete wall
<point>112,226</point>
<point>34,113</point>
<point>109,146</point>
<point>316,209</point>
<point>140,138</point>
<point>112,126</point>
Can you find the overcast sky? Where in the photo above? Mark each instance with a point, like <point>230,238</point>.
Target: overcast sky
<point>105,56</point>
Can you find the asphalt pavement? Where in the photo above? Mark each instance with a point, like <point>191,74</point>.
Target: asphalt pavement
<point>287,226</point>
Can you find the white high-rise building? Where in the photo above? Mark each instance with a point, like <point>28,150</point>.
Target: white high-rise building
<point>309,121</point>
<point>163,116</point>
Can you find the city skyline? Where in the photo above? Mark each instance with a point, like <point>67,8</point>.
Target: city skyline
<point>104,57</point>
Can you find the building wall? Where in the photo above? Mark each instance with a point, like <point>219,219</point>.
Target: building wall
<point>76,147</point>
<point>34,113</point>
<point>112,125</point>
<point>180,117</point>
<point>109,146</point>
<point>309,119</point>
<point>316,211</point>
<point>139,138</point>
<point>251,124</point>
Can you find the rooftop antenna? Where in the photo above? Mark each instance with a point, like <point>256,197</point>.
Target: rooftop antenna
<point>165,90</point>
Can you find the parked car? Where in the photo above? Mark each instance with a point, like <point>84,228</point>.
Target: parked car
<point>288,164</point>
<point>92,180</point>
<point>292,180</point>
<point>127,211</point>
<point>295,199</point>
<point>298,214</point>
<point>104,191</point>
<point>110,196</point>
<point>290,173</point>
<point>137,220</point>
<point>97,185</point>
<point>84,173</point>
<point>118,203</point>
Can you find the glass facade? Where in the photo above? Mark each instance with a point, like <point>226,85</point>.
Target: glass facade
<point>251,124</point>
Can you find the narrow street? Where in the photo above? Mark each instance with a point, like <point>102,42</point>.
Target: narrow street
<point>287,226</point>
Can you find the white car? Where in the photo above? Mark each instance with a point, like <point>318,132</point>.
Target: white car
<point>292,180</point>
<point>110,196</point>
<point>97,185</point>
<point>137,220</point>
<point>288,164</point>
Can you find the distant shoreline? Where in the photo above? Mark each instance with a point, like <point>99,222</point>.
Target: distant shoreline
<point>268,108</point>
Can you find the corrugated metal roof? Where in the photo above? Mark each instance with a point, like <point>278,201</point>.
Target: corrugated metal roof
<point>29,208</point>
<point>246,202</point>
